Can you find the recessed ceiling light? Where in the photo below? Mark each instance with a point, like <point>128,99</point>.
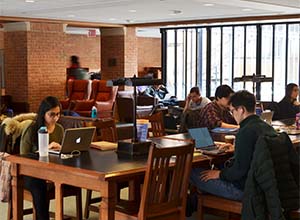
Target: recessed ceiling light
<point>112,19</point>
<point>70,16</point>
<point>175,12</point>
<point>29,1</point>
<point>132,10</point>
<point>246,9</point>
<point>208,4</point>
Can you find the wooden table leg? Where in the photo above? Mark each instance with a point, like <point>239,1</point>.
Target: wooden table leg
<point>58,202</point>
<point>108,202</point>
<point>17,193</point>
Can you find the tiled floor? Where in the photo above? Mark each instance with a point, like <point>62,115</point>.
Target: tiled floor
<point>69,209</point>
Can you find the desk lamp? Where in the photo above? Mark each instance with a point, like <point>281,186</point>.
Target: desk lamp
<point>134,147</point>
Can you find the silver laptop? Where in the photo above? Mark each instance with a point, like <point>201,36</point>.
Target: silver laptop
<point>78,139</point>
<point>267,116</point>
<point>204,141</point>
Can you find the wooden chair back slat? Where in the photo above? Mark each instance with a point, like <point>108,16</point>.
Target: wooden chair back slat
<point>157,124</point>
<point>166,182</point>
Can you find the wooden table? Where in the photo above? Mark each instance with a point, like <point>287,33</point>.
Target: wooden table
<point>96,170</point>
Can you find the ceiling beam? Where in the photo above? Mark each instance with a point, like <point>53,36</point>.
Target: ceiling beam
<point>216,20</point>
<point>5,19</point>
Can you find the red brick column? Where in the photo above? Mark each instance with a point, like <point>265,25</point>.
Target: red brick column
<point>118,52</point>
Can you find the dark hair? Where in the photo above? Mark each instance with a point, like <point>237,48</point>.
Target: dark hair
<point>245,99</point>
<point>289,89</point>
<point>75,59</point>
<point>223,91</point>
<point>46,104</point>
<point>195,90</point>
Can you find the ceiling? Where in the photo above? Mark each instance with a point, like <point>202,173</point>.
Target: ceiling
<point>145,11</point>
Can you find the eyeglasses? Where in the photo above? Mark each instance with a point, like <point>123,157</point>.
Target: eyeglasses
<point>53,114</point>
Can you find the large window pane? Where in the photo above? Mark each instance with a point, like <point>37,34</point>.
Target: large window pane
<point>181,53</point>
<point>251,50</point>
<point>227,56</point>
<point>238,55</point>
<point>293,54</point>
<point>202,60</point>
<point>279,62</point>
<point>191,60</point>
<point>266,50</point>
<point>171,61</point>
<point>215,59</point>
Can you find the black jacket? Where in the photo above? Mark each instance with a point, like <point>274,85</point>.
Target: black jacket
<point>272,186</point>
<point>287,109</point>
<point>250,129</point>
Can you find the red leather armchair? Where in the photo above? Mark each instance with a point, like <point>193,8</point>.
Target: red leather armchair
<point>102,96</point>
<point>77,90</point>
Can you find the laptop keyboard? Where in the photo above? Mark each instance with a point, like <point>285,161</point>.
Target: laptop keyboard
<point>209,148</point>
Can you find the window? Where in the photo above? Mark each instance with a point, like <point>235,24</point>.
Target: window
<point>208,56</point>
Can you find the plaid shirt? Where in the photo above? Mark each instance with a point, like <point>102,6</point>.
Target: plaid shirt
<point>212,116</point>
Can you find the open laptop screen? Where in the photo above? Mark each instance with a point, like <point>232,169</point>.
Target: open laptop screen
<point>201,136</point>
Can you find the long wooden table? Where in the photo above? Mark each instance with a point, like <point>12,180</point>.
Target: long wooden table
<point>96,170</point>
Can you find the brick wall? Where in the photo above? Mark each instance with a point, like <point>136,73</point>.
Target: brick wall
<point>15,61</point>
<point>149,53</point>
<point>131,52</point>
<point>1,39</point>
<point>46,63</point>
<point>86,48</point>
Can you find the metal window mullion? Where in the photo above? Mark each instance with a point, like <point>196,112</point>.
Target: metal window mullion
<point>221,57</point>
<point>286,51</point>
<point>175,63</point>
<point>208,61</point>
<point>258,59</point>
<point>232,61</point>
<point>185,61</point>
<point>196,64</point>
<point>245,53</point>
<point>164,55</point>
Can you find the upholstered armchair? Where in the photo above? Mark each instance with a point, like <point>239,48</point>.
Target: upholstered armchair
<point>77,90</point>
<point>102,96</point>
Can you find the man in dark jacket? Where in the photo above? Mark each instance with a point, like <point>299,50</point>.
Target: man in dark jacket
<point>230,181</point>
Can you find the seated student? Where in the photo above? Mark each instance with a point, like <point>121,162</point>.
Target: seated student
<point>230,181</point>
<point>194,101</point>
<point>193,104</point>
<point>216,113</point>
<point>289,106</point>
<point>48,114</point>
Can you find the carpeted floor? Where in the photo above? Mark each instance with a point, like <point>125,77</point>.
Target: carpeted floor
<point>69,209</point>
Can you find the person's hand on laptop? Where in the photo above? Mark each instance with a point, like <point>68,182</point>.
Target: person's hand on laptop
<point>226,147</point>
<point>54,146</point>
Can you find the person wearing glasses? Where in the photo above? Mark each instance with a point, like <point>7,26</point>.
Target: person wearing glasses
<point>216,114</point>
<point>230,181</point>
<point>48,114</point>
<point>289,106</point>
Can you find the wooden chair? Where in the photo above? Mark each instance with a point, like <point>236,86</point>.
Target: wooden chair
<point>106,131</point>
<point>218,203</point>
<point>165,185</point>
<point>67,192</point>
<point>157,124</point>
<point>226,205</point>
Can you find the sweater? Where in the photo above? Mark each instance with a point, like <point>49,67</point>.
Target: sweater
<point>27,146</point>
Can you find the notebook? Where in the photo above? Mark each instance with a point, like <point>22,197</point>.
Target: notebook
<point>75,139</point>
<point>267,116</point>
<point>204,141</point>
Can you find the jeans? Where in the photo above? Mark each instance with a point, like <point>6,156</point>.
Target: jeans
<point>38,189</point>
<point>216,187</point>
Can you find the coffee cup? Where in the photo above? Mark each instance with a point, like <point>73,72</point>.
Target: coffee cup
<point>229,139</point>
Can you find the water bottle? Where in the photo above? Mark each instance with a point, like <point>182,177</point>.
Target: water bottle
<point>297,121</point>
<point>43,139</point>
<point>94,112</point>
